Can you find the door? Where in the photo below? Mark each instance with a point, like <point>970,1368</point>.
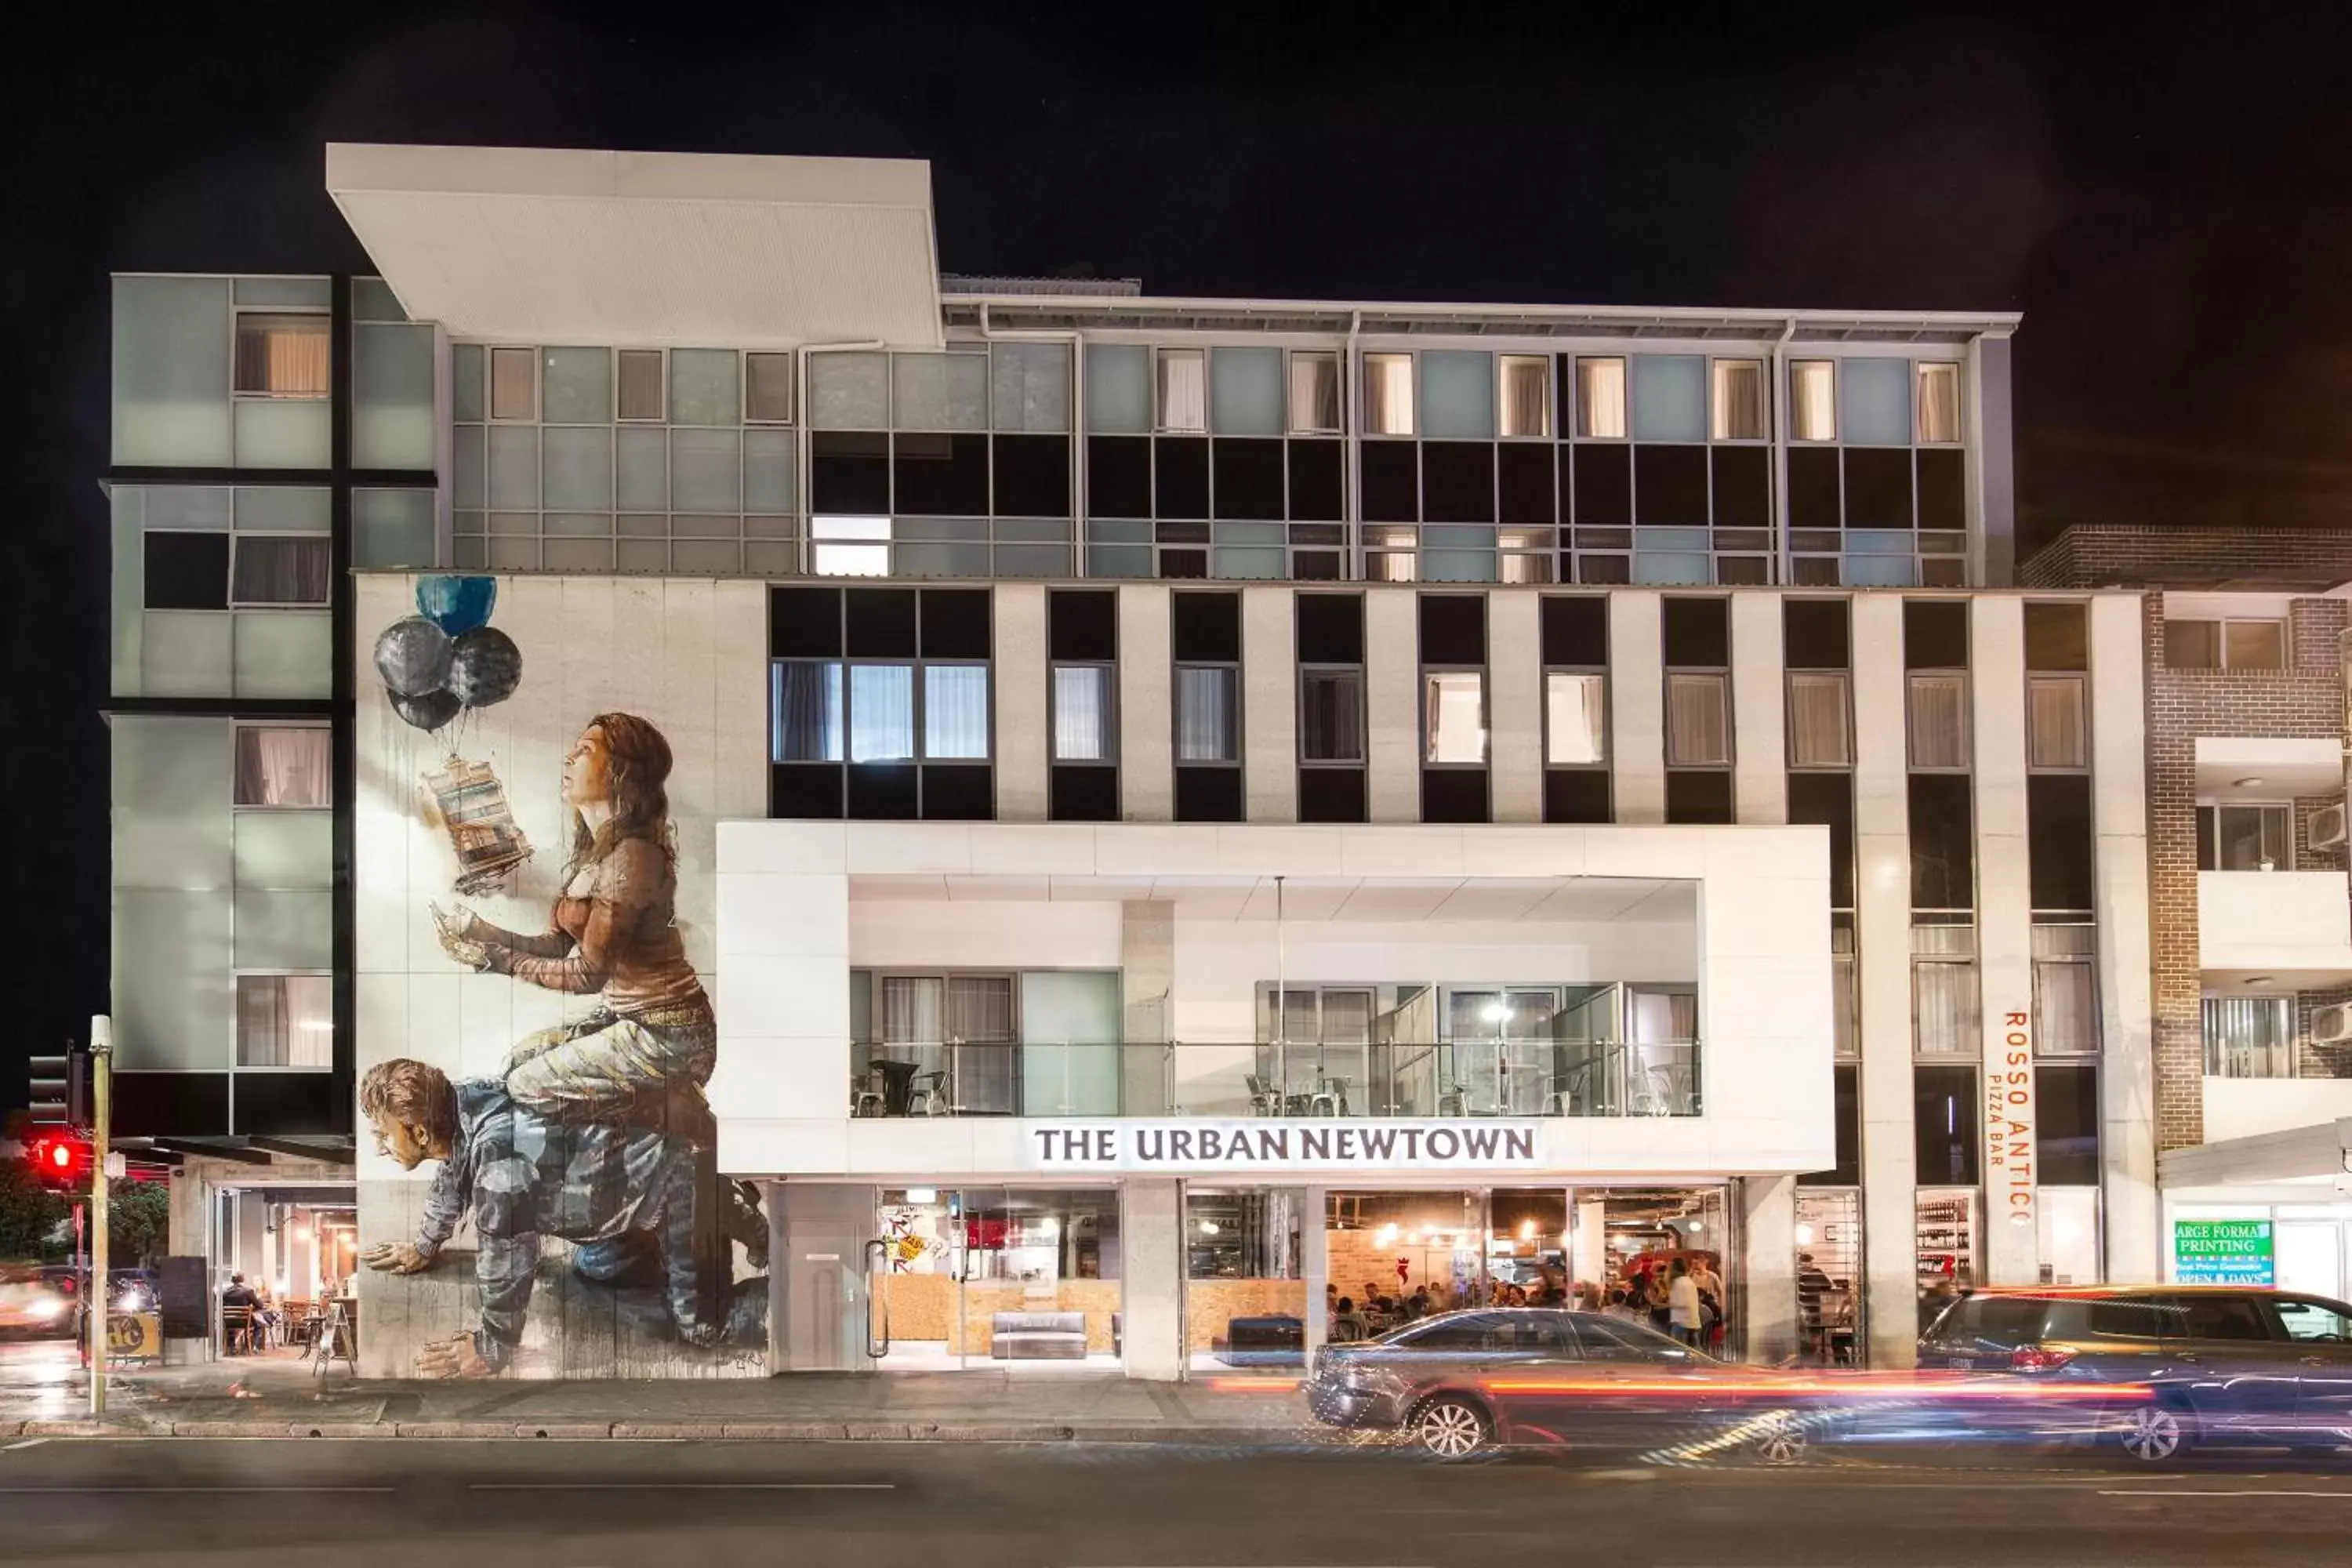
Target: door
<point>2321,1333</point>
<point>2242,1372</point>
<point>832,1317</point>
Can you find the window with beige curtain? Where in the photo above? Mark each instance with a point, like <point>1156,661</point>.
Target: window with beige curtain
<point>284,1021</point>
<point>2065,991</point>
<point>1813,400</point>
<point>284,767</point>
<point>1946,1021</point>
<point>1939,721</point>
<point>1738,400</point>
<point>1387,395</point>
<point>514,383</point>
<point>1454,715</point>
<point>2055,721</point>
<point>644,386</point>
<point>1937,404</point>
<point>282,356</point>
<point>1526,394</point>
<point>1846,1032</point>
<point>1818,728</point>
<point>1600,399</point>
<point>1573,731</point>
<point>1314,393</point>
<point>1698,720</point>
<point>1183,390</point>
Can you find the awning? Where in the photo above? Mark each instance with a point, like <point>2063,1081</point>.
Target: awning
<point>2319,1153</point>
<point>553,245</point>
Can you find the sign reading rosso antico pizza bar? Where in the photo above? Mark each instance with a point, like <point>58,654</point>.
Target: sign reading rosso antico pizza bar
<point>1191,1145</point>
<point>2009,1122</point>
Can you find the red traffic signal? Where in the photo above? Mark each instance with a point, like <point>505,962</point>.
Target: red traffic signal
<point>60,1163</point>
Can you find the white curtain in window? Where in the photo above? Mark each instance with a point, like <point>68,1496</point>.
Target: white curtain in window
<point>881,713</point>
<point>1944,1001</point>
<point>1526,394</point>
<point>955,712</point>
<point>1387,395</point>
<point>1698,721</point>
<point>1939,731</point>
<point>1817,720</point>
<point>1081,713</point>
<point>264,1032</point>
<point>310,1012</point>
<point>1205,723</point>
<point>1813,400</point>
<point>1454,714</point>
<point>1314,392</point>
<point>1601,398</point>
<point>2066,1008</point>
<point>1183,390</point>
<point>1572,711</point>
<point>2054,720</point>
<point>1938,404</point>
<point>280,569</point>
<point>2249,1036</point>
<point>284,767</point>
<point>914,1009</point>
<point>1845,1039</point>
<point>808,711</point>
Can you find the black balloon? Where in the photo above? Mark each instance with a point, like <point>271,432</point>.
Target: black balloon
<point>413,656</point>
<point>485,666</point>
<point>429,712</point>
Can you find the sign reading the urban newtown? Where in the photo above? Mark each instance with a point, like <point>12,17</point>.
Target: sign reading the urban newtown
<point>2009,1122</point>
<point>1213,1143</point>
<point>2223,1252</point>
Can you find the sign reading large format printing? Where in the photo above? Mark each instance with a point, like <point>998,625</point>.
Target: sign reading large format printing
<point>1217,1143</point>
<point>2223,1252</point>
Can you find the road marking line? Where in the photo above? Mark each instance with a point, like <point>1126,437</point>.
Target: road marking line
<point>682,1487</point>
<point>28,1443</point>
<point>2340,1497</point>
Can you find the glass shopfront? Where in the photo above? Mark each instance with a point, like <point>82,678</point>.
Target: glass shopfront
<point>1244,1278</point>
<point>1020,1279</point>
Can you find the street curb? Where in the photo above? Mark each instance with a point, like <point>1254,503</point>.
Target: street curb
<point>682,1431</point>
<point>11,1429</point>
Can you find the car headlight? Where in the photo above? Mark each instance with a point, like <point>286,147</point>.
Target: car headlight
<point>48,1307</point>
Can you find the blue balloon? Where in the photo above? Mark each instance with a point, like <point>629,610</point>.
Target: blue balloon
<point>456,604</point>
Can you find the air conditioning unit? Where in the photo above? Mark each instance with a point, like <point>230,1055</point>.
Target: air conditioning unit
<point>2327,826</point>
<point>2332,1026</point>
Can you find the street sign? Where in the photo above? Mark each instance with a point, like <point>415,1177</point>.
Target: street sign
<point>2223,1252</point>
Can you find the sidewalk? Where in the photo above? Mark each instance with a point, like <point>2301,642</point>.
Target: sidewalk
<point>47,1396</point>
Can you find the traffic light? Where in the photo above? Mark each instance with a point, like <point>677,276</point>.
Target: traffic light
<point>61,1162</point>
<point>60,1085</point>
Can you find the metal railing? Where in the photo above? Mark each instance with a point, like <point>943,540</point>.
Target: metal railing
<point>1446,1079</point>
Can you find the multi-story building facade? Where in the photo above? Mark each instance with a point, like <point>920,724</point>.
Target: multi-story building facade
<point>1137,817</point>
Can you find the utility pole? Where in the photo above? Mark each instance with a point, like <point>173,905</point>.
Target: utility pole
<point>101,1295</point>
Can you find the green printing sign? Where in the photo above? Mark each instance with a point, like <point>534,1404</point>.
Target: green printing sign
<point>2223,1252</point>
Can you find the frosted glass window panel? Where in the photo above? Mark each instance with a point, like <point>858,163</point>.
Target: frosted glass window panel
<point>577,386</point>
<point>1939,721</point>
<point>881,713</point>
<point>1698,720</point>
<point>641,382</point>
<point>938,392</point>
<point>849,391</point>
<point>205,507</point>
<point>1387,395</point>
<point>1331,715</point>
<point>373,300</point>
<point>1183,390</point>
<point>1454,716</point>
<point>468,375</point>
<point>2056,722</point>
<point>1813,400</point>
<point>268,509</point>
<point>282,356</point>
<point>1030,386</point>
<point>1082,713</point>
<point>172,787</point>
<point>1574,726</point>
<point>284,928</point>
<point>170,372</point>
<point>2065,1001</point>
<point>285,849</point>
<point>283,433</point>
<point>1246,393</point>
<point>641,470</point>
<point>279,569</point>
<point>579,460</point>
<point>282,653</point>
<point>514,386</point>
<point>284,1021</point>
<point>767,388</point>
<point>184,653</point>
<point>806,718</point>
<point>514,468</point>
<point>1738,398</point>
<point>392,397</point>
<point>468,466</point>
<point>704,387</point>
<point>1670,568</point>
<point>317,292</point>
<point>174,1008</point>
<point>830,560</point>
<point>767,471</point>
<point>1457,393</point>
<point>2249,1036</point>
<point>1119,388</point>
<point>1314,393</point>
<point>1881,572</point>
<point>284,768</point>
<point>955,712</point>
<point>1938,407</point>
<point>1600,399</point>
<point>1207,720</point>
<point>1875,402</point>
<point>1669,397</point>
<point>1818,725</point>
<point>1526,394</point>
<point>706,469</point>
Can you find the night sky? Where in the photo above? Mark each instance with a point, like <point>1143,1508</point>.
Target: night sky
<point>2171,208</point>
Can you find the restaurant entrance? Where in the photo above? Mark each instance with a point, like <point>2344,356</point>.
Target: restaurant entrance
<point>1021,1279</point>
<point>283,1261</point>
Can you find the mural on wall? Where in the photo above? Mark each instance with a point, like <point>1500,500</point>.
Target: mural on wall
<point>583,1166</point>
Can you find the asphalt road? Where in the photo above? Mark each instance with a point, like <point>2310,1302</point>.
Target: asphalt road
<point>710,1505</point>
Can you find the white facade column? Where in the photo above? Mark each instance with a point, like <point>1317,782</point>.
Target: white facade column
<point>2127,1005</point>
<point>1882,801</point>
<point>1637,706</point>
<point>1315,1264</point>
<point>2009,1245</point>
<point>1392,703</point>
<point>1152,1261</point>
<point>1759,726</point>
<point>1147,722</point>
<point>1270,704</point>
<point>1147,977</point>
<point>1768,1233</point>
<point>783,1081</point>
<point>1515,719</point>
<point>1021,716</point>
<point>1588,1244</point>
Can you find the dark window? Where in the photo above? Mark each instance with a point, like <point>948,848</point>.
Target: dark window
<point>2000,1320</point>
<point>288,1104</point>
<point>1945,1124</point>
<point>1457,481</point>
<point>1814,634</point>
<point>959,792</point>
<point>884,791</point>
<point>2057,637</point>
<point>955,623</point>
<point>1604,569</point>
<point>1877,487</point>
<point>1331,795</point>
<point>2128,1320</point>
<point>1826,800</point>
<point>1576,629</point>
<point>2058,840</point>
<point>1206,628</point>
<point>1670,486</point>
<point>881,623</point>
<point>1454,795</point>
<point>1033,476</point>
<point>1743,485</point>
<point>1943,862</point>
<point>1184,564</point>
<point>2066,1126</point>
<point>1082,625</point>
<point>1576,794</point>
<point>1847,1172</point>
<point>1469,1333</point>
<point>805,623</point>
<point>849,473</point>
<point>1698,796</point>
<point>1181,479</point>
<point>1697,633</point>
<point>1603,485</point>
<point>1330,628</point>
<point>1524,485</point>
<point>1208,794</point>
<point>1248,477</point>
<point>1453,629</point>
<point>1391,481</point>
<point>1082,792</point>
<point>807,790</point>
<point>1935,633</point>
<point>1330,715</point>
<point>187,571</point>
<point>1942,493</point>
<point>939,475</point>
<point>1118,475</point>
<point>1315,480</point>
<point>1813,487</point>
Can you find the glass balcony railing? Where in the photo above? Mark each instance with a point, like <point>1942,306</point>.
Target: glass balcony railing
<point>1046,1079</point>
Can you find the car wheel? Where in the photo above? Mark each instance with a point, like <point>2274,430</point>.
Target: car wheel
<point>2155,1433</point>
<point>1451,1427</point>
<point>1783,1440</point>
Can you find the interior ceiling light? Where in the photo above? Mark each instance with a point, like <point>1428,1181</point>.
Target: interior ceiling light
<point>2245,783</point>
<point>2258,979</point>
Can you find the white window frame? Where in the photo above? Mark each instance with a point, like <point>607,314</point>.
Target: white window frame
<point>1624,398</point>
<point>743,379</point>
<point>2214,849</point>
<point>1797,420</point>
<point>1412,394</point>
<point>2293,1050</point>
<point>1332,357</point>
<point>1160,356</point>
<point>1715,403</point>
<point>1920,371</point>
<point>1550,416</point>
<point>2221,640</point>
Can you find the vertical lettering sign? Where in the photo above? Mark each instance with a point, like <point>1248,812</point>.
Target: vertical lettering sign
<point>1212,1144</point>
<point>2223,1252</point>
<point>2009,1123</point>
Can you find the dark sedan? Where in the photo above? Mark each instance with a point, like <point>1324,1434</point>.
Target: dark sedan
<point>1458,1384</point>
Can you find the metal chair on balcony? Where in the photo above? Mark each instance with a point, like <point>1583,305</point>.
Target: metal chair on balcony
<point>869,1092</point>
<point>927,1094</point>
<point>1263,1101</point>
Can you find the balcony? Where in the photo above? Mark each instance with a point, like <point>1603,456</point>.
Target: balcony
<point>1486,1079</point>
<point>2279,929</point>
